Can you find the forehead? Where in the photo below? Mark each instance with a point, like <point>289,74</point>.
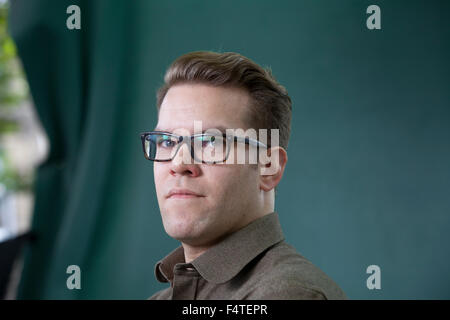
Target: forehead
<point>213,107</point>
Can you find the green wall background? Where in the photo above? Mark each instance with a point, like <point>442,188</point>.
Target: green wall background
<point>368,177</point>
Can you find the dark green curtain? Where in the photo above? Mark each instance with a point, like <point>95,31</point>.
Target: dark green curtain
<point>84,87</point>
<point>367,180</point>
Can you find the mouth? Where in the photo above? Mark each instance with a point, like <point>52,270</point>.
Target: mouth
<point>183,194</point>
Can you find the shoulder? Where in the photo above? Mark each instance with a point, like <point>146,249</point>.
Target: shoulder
<point>282,273</point>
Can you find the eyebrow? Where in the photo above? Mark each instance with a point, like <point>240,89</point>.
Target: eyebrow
<point>220,128</point>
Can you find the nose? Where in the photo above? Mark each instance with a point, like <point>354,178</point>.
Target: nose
<point>183,164</point>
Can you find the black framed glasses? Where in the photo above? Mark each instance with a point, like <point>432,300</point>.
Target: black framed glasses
<point>206,148</point>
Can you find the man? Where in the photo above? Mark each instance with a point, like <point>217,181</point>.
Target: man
<point>222,211</point>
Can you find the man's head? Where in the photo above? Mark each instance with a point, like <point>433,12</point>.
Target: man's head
<point>228,91</point>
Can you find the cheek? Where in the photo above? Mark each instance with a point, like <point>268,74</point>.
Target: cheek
<point>235,182</point>
<point>158,176</point>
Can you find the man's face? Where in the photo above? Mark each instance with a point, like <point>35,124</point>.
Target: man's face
<point>228,193</point>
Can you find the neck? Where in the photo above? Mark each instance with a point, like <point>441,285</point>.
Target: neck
<point>193,252</point>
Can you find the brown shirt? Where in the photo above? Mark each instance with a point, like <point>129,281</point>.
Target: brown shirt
<point>253,263</point>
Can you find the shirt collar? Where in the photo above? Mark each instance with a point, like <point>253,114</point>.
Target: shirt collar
<point>223,261</point>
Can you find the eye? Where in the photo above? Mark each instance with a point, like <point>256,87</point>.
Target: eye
<point>166,142</point>
<point>208,141</point>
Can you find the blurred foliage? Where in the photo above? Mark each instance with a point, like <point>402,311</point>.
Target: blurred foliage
<point>13,91</point>
<point>11,179</point>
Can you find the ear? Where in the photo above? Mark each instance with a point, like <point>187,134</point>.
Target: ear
<point>272,171</point>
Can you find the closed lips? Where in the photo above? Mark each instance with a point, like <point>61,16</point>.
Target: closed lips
<point>182,193</point>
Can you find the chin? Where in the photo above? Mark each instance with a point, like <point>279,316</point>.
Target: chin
<point>179,223</point>
<point>185,224</point>
<point>175,212</point>
<point>181,233</point>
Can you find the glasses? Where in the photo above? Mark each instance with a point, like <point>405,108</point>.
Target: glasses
<point>206,148</point>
